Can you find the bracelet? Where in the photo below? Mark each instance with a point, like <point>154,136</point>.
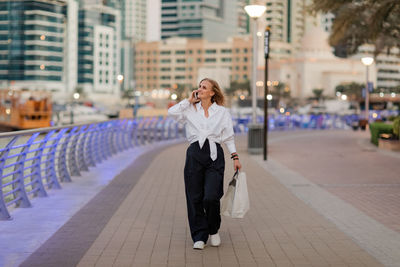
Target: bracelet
<point>234,155</point>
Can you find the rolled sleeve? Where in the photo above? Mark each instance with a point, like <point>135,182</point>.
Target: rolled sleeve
<point>228,133</point>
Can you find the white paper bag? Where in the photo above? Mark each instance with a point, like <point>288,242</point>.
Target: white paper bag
<point>235,202</point>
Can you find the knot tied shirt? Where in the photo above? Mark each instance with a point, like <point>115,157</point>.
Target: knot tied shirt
<point>217,127</point>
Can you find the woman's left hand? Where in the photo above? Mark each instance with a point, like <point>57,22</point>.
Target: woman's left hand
<point>237,165</point>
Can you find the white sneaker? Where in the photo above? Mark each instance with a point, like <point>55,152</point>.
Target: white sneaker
<point>215,240</point>
<point>198,245</point>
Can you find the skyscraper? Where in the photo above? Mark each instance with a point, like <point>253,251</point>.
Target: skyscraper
<point>286,18</point>
<point>133,29</point>
<point>213,20</point>
<point>133,19</point>
<point>99,49</point>
<point>37,44</point>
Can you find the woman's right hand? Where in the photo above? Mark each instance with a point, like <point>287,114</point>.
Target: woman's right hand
<point>192,99</point>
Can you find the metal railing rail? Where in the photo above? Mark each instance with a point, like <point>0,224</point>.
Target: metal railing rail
<point>34,161</point>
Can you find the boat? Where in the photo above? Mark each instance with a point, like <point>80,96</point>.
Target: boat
<point>78,114</point>
<point>24,109</point>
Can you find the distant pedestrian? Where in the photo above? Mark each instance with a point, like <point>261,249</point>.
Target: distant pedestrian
<point>208,124</point>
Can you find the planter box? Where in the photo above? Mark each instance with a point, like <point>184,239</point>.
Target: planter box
<point>389,144</point>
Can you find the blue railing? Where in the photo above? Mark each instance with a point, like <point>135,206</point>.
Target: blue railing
<point>319,122</point>
<point>34,161</point>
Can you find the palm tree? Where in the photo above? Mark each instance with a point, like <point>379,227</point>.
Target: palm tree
<point>362,22</point>
<point>318,93</point>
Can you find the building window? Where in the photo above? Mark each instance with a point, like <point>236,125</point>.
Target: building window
<point>211,51</point>
<point>210,60</point>
<point>180,60</point>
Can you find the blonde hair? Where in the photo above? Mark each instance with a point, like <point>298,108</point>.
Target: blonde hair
<point>218,96</point>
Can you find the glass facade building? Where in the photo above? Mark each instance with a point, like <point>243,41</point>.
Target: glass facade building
<point>98,48</point>
<point>32,38</point>
<point>213,20</point>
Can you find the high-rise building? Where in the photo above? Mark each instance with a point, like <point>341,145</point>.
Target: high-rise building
<point>99,50</point>
<point>213,20</point>
<point>286,18</point>
<point>133,29</point>
<point>38,44</point>
<point>133,19</point>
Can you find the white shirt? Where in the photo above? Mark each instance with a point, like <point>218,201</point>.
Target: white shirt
<point>216,128</point>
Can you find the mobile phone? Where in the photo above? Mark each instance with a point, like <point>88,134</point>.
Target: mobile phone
<point>196,95</point>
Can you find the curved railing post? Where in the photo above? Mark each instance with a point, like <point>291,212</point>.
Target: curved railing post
<point>131,133</point>
<point>63,172</point>
<point>142,130</point>
<point>169,129</point>
<point>96,144</point>
<point>51,174</point>
<point>37,182</point>
<point>4,215</point>
<point>162,129</point>
<point>72,160</point>
<point>153,130</point>
<point>90,146</point>
<point>103,141</point>
<point>19,190</point>
<point>119,136</point>
<point>110,138</point>
<point>125,135</point>
<point>82,165</point>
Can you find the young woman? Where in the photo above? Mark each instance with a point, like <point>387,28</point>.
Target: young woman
<point>207,124</point>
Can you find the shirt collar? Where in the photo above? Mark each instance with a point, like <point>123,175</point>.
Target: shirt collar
<point>213,106</point>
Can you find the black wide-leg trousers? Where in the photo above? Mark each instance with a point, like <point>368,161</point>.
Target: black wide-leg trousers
<point>204,181</point>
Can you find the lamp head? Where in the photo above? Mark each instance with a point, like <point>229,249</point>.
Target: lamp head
<point>367,61</point>
<point>255,11</point>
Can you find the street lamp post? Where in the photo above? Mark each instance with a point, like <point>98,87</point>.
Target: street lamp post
<point>266,55</point>
<point>367,61</point>
<point>254,11</point>
<point>255,130</point>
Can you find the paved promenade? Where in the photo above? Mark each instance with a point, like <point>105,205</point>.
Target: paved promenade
<point>322,199</point>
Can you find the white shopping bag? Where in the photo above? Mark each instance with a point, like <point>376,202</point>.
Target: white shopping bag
<point>235,202</point>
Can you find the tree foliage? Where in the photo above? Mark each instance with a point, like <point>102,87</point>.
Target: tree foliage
<point>235,86</point>
<point>318,92</point>
<point>352,90</point>
<point>359,22</point>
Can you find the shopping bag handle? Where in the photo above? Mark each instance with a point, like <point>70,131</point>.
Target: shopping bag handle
<point>233,181</point>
